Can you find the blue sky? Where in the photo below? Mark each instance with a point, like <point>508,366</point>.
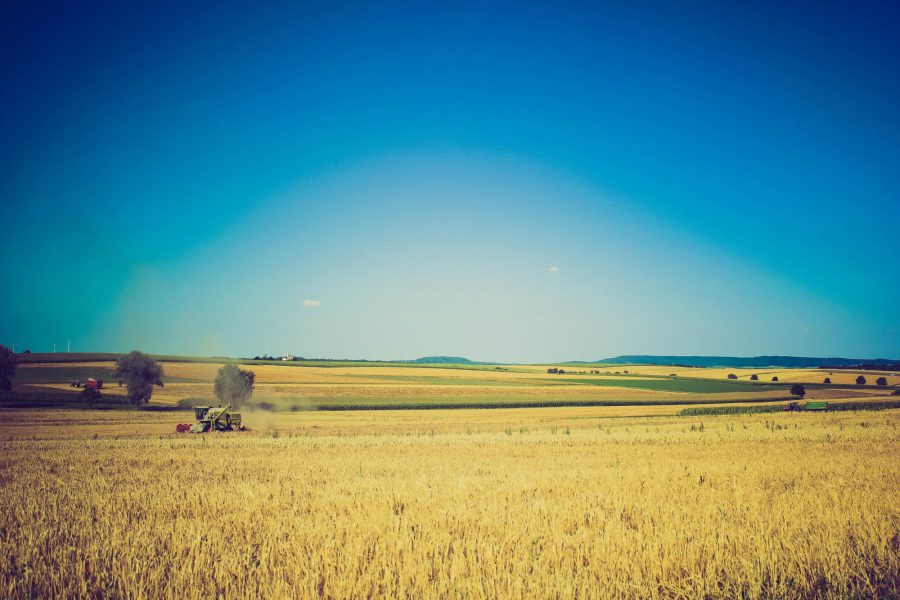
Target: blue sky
<point>512,182</point>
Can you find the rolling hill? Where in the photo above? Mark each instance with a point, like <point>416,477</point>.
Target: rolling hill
<point>753,361</point>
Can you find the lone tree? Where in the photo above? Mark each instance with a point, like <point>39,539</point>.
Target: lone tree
<point>732,376</point>
<point>7,368</point>
<point>881,381</point>
<point>234,386</point>
<point>139,373</point>
<point>860,380</point>
<point>754,377</point>
<point>90,396</point>
<point>798,390</point>
<point>775,378</point>
<point>827,380</point>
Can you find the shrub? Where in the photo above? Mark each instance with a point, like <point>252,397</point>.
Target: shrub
<point>732,376</point>
<point>860,380</point>
<point>754,377</point>
<point>775,378</point>
<point>798,390</point>
<point>192,402</point>
<point>7,368</point>
<point>827,380</point>
<point>90,396</point>
<point>881,381</point>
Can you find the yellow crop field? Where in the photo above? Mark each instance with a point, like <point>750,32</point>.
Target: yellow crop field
<point>564,502</point>
<point>287,373</point>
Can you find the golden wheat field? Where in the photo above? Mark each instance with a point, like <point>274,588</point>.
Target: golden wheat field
<point>469,503</point>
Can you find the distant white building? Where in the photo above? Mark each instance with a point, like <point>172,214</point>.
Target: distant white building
<point>288,357</point>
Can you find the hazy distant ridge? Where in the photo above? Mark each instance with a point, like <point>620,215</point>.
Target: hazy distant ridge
<point>444,360</point>
<point>739,361</point>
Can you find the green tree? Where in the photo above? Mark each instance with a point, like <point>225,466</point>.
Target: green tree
<point>90,396</point>
<point>798,390</point>
<point>860,380</point>
<point>881,381</point>
<point>139,373</point>
<point>7,368</point>
<point>234,386</point>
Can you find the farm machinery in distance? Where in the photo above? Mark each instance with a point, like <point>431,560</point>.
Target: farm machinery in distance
<point>213,418</point>
<point>90,384</point>
<point>809,406</point>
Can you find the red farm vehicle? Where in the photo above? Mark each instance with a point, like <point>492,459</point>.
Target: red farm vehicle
<point>92,384</point>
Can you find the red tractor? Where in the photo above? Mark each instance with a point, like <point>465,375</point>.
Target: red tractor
<point>92,384</point>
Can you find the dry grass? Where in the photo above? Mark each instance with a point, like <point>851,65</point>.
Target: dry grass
<point>466,503</point>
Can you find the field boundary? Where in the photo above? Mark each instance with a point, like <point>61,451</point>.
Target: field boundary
<point>515,404</point>
<point>744,410</point>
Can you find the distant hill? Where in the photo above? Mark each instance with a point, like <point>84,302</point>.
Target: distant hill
<point>750,362</point>
<point>444,360</point>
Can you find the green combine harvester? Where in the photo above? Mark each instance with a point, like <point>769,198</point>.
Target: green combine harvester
<point>213,418</point>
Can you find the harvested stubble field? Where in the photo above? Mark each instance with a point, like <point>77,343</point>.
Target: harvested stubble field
<point>466,503</point>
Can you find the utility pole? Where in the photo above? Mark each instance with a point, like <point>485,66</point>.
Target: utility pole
<point>68,346</point>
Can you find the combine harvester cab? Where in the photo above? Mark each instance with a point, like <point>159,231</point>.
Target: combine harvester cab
<point>213,418</point>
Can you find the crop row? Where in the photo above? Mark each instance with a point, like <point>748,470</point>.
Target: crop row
<point>42,399</point>
<point>768,408</point>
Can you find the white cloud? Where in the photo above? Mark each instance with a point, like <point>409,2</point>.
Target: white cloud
<point>312,303</point>
<point>554,269</point>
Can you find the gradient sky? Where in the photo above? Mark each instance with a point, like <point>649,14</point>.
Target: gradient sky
<point>502,181</point>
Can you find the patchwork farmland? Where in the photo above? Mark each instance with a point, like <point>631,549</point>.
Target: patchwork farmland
<point>586,483</point>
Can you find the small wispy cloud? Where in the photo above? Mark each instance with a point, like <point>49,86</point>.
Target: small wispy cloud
<point>554,269</point>
<point>312,303</point>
